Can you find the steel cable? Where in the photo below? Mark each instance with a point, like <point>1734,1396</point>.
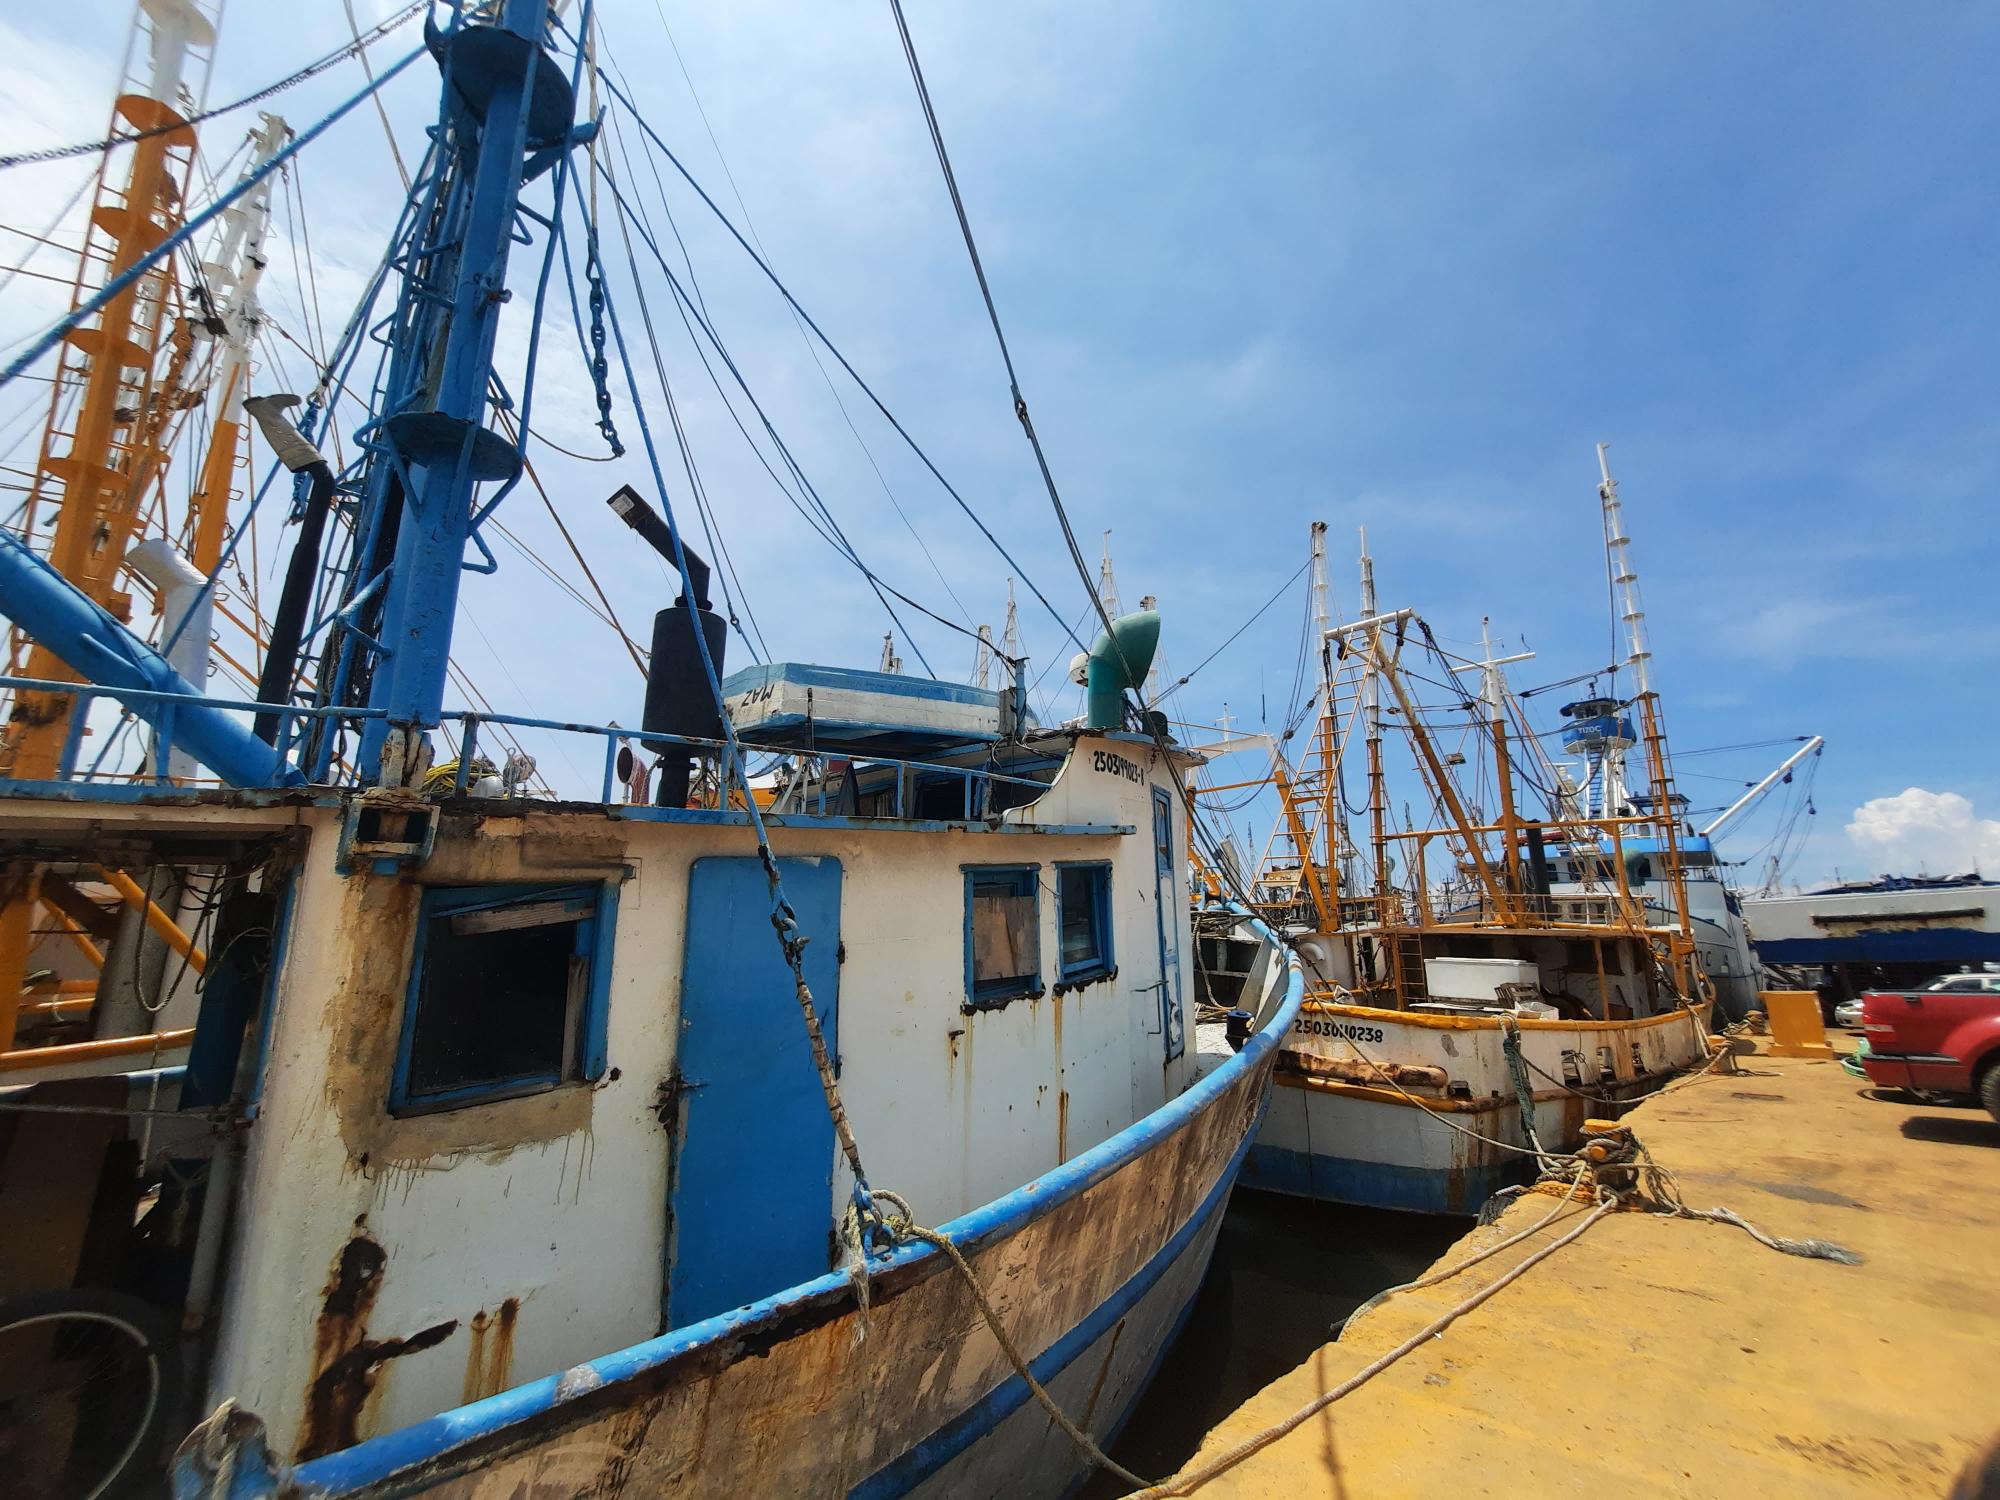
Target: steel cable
<point>312,70</point>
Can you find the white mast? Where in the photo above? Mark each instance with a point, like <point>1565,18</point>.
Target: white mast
<point>1010,633</point>
<point>231,274</point>
<point>1152,692</point>
<point>1493,681</point>
<point>891,662</point>
<point>1624,579</point>
<point>1322,616</point>
<point>1107,586</point>
<point>982,661</point>
<point>1371,701</point>
<point>1612,793</point>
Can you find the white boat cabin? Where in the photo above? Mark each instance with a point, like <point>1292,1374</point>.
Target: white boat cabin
<point>545,1091</point>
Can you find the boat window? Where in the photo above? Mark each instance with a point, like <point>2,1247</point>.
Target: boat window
<point>1003,943</point>
<point>506,996</point>
<point>1083,903</point>
<point>944,797</point>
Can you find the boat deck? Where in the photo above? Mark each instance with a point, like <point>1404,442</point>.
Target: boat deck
<point>1675,1357</point>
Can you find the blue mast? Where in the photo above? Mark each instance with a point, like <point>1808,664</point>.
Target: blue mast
<point>505,115</point>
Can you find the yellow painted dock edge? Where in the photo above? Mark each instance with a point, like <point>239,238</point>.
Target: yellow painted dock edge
<point>1665,1357</point>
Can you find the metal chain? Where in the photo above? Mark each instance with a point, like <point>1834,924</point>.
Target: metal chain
<point>600,368</point>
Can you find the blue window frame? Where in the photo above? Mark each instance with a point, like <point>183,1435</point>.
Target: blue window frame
<point>1003,934</point>
<point>508,993</point>
<point>1083,920</point>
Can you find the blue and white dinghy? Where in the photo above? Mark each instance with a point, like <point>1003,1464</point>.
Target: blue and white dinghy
<point>493,1144</point>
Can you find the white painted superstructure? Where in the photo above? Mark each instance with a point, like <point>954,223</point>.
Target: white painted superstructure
<point>521,1250</point>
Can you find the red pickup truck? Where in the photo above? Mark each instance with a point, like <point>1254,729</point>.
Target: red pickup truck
<point>1945,1037</point>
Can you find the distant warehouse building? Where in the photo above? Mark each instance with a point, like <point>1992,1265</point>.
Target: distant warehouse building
<point>1881,934</point>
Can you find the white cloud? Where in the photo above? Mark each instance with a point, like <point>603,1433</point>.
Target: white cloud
<point>1918,830</point>
<point>1787,631</point>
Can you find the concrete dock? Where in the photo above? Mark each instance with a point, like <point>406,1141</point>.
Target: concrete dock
<point>1672,1357</point>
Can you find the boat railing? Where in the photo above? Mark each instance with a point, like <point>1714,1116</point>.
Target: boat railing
<point>1557,911</point>
<point>462,730</point>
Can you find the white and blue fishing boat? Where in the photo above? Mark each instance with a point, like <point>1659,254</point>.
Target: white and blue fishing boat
<point>487,1143</point>
<point>1480,985</point>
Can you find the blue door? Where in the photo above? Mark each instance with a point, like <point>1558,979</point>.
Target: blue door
<point>751,1196</point>
<point>1170,904</point>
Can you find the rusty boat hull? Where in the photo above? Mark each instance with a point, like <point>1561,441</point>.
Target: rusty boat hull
<point>1092,1266</point>
<point>1389,1109</point>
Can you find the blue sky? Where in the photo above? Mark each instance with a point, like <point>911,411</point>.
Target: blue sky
<point>1393,266</point>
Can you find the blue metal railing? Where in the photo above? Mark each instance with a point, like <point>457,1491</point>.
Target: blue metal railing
<point>463,726</point>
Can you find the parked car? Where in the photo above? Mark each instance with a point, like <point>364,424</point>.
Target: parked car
<point>1944,1037</point>
<point>1848,1013</point>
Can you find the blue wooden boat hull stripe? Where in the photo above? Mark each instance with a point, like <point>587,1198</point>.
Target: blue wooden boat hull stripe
<point>1374,1184</point>
<point>979,1419</point>
<point>769,1321</point>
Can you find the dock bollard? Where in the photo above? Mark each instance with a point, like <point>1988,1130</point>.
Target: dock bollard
<point>1796,1027</point>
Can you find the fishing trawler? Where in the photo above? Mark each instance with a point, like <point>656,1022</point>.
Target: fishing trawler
<point>1479,986</point>
<point>468,1139</point>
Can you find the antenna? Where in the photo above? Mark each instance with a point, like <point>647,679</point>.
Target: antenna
<point>1107,586</point>
<point>1371,709</point>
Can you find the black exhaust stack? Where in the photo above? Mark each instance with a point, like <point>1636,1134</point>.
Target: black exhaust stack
<point>678,700</point>
<point>281,652</point>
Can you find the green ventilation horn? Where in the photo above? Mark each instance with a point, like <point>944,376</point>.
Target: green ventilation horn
<point>1119,660</point>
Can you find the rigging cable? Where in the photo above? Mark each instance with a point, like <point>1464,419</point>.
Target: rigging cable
<point>1197,829</point>
<point>119,284</point>
<point>840,358</point>
<point>381,111</point>
<point>1183,680</point>
<point>310,70</point>
<point>732,583</point>
<point>804,338</point>
<point>993,316</point>
<point>43,239</point>
<point>830,531</point>
<point>834,536</point>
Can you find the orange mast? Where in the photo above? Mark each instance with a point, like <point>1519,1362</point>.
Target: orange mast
<point>101,463</point>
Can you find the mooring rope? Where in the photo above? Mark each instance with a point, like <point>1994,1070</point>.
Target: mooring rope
<point>1188,1483</point>
<point>1614,1164</point>
<point>903,1225</point>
